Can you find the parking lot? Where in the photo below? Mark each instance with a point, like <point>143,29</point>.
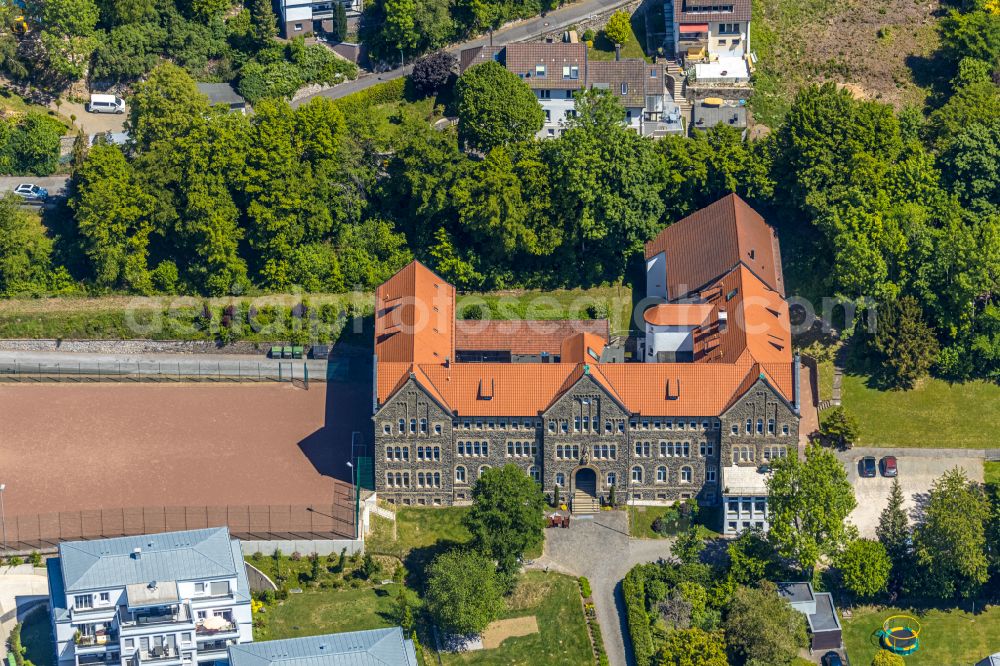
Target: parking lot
<point>918,469</point>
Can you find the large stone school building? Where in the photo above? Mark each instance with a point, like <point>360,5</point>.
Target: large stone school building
<point>704,399</point>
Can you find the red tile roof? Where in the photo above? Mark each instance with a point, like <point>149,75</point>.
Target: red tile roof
<point>738,234</point>
<point>524,336</point>
<point>679,314</point>
<point>582,348</point>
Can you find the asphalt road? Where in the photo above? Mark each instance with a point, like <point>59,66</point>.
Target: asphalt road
<point>56,185</point>
<point>518,32</point>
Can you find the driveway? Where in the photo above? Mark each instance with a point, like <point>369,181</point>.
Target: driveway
<point>93,123</point>
<point>521,31</point>
<point>918,469</point>
<point>600,548</point>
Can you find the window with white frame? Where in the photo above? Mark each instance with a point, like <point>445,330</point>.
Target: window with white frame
<point>611,479</point>
<point>710,475</point>
<point>560,479</point>
<point>459,474</point>
<point>686,474</point>
<point>539,70</point>
<point>661,474</point>
<point>637,474</point>
<point>535,473</point>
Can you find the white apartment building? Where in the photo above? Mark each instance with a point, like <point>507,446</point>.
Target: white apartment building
<point>172,599</point>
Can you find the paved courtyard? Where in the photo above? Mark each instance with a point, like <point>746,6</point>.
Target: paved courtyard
<point>600,548</point>
<point>918,469</point>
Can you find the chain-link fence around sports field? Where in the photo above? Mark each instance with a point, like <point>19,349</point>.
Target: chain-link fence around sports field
<point>169,371</point>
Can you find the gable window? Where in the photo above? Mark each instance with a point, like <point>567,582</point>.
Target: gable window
<point>784,429</point>
<point>760,426</point>
<point>423,426</point>
<point>402,426</point>
<point>413,425</point>
<point>437,428</point>
<point>386,428</point>
<point>735,429</point>
<point>770,426</point>
<point>749,427</point>
<point>552,426</point>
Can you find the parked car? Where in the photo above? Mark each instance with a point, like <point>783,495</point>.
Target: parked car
<point>889,468</point>
<point>831,658</point>
<point>867,467</point>
<point>106,104</point>
<point>31,192</point>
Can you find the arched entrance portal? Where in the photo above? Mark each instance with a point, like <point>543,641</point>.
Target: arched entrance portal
<point>586,481</point>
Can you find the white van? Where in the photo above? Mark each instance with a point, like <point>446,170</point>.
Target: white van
<point>106,104</point>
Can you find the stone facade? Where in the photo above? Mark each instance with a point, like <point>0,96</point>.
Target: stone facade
<point>759,427</point>
<point>585,428</point>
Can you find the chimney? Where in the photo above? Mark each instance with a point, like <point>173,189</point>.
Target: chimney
<point>137,553</point>
<point>618,52</point>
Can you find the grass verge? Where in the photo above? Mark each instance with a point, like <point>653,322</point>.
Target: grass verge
<point>935,414</point>
<point>991,473</point>
<point>946,637</point>
<point>562,638</point>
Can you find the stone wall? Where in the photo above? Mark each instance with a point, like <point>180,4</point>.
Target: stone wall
<point>760,404</point>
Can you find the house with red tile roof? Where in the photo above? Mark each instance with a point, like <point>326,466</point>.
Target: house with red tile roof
<point>711,395</point>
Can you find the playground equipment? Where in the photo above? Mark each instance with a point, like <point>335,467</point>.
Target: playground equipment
<point>900,634</point>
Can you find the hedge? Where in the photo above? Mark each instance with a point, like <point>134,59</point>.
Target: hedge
<point>380,93</point>
<point>634,591</point>
<point>585,587</point>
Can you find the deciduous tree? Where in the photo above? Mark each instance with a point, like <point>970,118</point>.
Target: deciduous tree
<point>865,567</point>
<point>808,502</point>
<point>463,594</point>
<point>495,108</point>
<point>432,72</point>
<point>840,428</point>
<point>619,27</point>
<point>25,249</point>
<point>691,647</point>
<point>762,628</point>
<point>506,515</point>
<point>950,543</point>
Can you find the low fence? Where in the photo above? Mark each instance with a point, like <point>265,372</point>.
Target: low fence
<point>262,523</point>
<point>151,371</point>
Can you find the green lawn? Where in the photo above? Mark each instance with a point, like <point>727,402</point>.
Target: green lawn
<point>936,414</point>
<point>613,302</point>
<point>991,473</point>
<point>603,49</point>
<point>417,527</point>
<point>420,528</point>
<point>36,636</point>
<point>330,611</point>
<point>562,638</point>
<point>947,637</point>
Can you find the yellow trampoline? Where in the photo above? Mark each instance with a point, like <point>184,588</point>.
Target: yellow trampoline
<point>900,634</point>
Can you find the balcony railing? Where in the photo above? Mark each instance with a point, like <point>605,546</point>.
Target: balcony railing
<point>159,654</point>
<point>202,631</point>
<point>179,614</point>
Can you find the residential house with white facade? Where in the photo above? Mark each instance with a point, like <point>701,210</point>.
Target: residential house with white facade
<point>172,599</point>
<point>298,16</point>
<point>712,36</point>
<point>556,72</point>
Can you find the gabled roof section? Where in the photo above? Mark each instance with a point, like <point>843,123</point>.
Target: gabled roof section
<point>171,556</point>
<point>376,647</point>
<point>512,389</point>
<point>701,11</point>
<point>415,317</point>
<point>710,242</point>
<point>582,348</point>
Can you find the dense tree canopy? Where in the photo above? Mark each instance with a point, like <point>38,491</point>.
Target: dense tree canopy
<point>762,628</point>
<point>865,567</point>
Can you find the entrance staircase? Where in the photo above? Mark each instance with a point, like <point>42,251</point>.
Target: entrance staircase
<point>677,92</point>
<point>585,503</point>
